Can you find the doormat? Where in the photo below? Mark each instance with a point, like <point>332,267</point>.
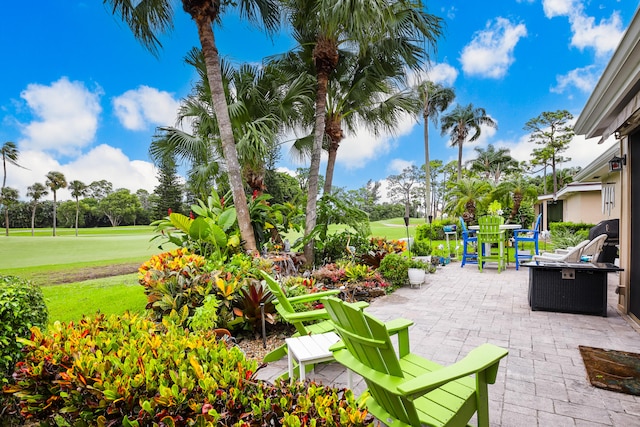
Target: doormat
<point>612,370</point>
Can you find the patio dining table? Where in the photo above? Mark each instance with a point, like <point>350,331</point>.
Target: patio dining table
<point>502,227</point>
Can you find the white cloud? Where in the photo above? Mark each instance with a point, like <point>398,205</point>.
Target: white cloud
<point>396,166</point>
<point>490,52</point>
<point>66,116</point>
<point>356,150</point>
<point>580,151</point>
<point>145,106</point>
<point>443,73</point>
<point>583,79</point>
<point>553,8</point>
<point>602,37</point>
<point>102,162</point>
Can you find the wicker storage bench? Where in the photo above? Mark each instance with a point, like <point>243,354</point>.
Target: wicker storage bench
<point>569,287</point>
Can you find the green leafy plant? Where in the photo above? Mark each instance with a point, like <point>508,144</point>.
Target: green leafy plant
<point>21,307</point>
<point>132,371</point>
<point>206,316</point>
<point>357,272</point>
<point>213,233</point>
<point>256,297</point>
<point>173,280</point>
<point>378,248</point>
<point>421,248</point>
<point>395,267</point>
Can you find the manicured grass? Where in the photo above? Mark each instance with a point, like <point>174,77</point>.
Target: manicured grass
<point>109,295</point>
<point>26,255</point>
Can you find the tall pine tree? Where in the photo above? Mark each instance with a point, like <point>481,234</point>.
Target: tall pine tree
<point>169,191</point>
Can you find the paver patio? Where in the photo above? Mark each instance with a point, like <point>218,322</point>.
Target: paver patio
<point>542,382</point>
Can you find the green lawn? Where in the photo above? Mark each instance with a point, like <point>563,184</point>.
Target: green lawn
<point>25,255</point>
<point>43,256</point>
<point>109,295</point>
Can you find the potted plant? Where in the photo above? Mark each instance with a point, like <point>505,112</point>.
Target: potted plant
<point>417,272</point>
<point>442,255</point>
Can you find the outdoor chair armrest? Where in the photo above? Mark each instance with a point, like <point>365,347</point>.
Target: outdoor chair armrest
<point>313,297</point>
<point>484,359</point>
<point>523,231</point>
<point>302,316</point>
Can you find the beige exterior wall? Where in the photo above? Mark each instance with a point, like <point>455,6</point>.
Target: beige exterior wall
<point>583,207</point>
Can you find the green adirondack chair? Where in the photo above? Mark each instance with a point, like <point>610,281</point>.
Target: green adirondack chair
<point>406,389</point>
<point>305,322</point>
<point>490,233</point>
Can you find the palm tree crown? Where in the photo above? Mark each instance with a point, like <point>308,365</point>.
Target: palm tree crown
<point>55,181</point>
<point>460,123</point>
<point>148,17</point>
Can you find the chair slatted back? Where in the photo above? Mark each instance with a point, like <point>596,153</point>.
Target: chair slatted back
<point>284,306</point>
<point>368,341</point>
<point>490,229</point>
<point>594,247</point>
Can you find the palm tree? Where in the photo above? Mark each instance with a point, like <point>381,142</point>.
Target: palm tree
<point>148,17</point>
<point>78,189</point>
<point>465,196</point>
<point>261,101</point>
<point>55,181</point>
<point>322,27</point>
<point>10,154</point>
<point>460,122</point>
<point>36,192</point>
<point>519,188</point>
<point>435,99</point>
<point>362,91</point>
<point>9,197</point>
<point>493,163</point>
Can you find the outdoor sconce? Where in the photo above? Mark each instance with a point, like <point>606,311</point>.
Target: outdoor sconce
<point>616,163</point>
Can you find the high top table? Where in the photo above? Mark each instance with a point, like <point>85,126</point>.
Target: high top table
<point>502,227</point>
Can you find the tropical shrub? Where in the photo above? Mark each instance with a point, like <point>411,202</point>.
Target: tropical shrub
<point>421,248</point>
<point>205,317</point>
<point>256,299</point>
<point>330,274</point>
<point>173,280</point>
<point>21,307</point>
<point>395,268</point>
<point>378,248</point>
<point>213,233</point>
<point>435,230</point>
<point>342,245</point>
<point>132,371</point>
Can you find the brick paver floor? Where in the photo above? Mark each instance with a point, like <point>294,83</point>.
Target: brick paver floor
<point>542,382</point>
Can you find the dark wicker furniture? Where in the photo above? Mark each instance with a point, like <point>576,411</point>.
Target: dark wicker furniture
<point>569,287</point>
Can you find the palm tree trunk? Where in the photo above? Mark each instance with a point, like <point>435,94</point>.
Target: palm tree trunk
<point>314,167</point>
<point>33,220</point>
<point>427,165</point>
<point>331,164</point>
<point>214,76</point>
<point>6,220</point>
<point>54,213</point>
<point>459,160</point>
<point>77,212</point>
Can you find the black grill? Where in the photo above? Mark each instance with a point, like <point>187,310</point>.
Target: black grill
<point>611,228</point>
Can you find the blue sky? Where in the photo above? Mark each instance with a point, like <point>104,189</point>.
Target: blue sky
<point>80,95</point>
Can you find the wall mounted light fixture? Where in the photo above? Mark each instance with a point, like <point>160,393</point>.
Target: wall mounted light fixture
<point>616,163</point>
